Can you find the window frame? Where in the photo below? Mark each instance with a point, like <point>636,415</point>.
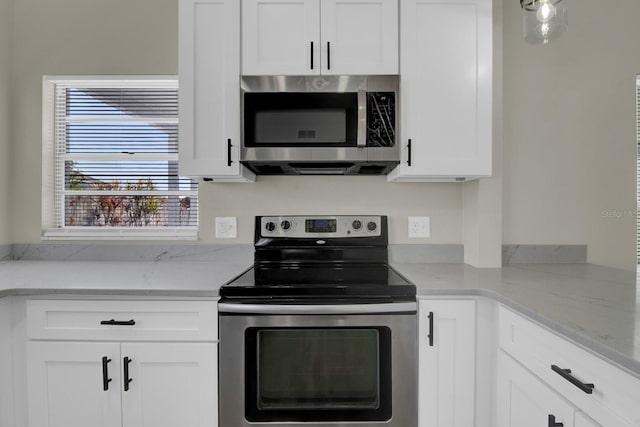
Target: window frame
<point>51,230</point>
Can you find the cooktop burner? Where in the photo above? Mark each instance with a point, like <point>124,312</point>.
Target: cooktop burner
<point>312,260</point>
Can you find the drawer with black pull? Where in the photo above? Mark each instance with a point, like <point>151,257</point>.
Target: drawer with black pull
<point>601,389</point>
<point>122,320</point>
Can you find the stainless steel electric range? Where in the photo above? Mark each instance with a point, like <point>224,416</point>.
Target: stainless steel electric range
<point>320,330</point>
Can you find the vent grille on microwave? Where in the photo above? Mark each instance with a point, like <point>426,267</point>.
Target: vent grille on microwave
<point>320,168</point>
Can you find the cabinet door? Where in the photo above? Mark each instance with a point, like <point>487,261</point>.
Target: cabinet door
<point>280,37</point>
<point>446,363</point>
<point>525,401</point>
<point>584,421</point>
<point>66,385</point>
<point>359,36</point>
<point>446,79</point>
<point>209,62</point>
<point>172,384</point>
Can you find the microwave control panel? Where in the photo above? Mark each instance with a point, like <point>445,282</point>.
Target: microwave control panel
<point>381,119</point>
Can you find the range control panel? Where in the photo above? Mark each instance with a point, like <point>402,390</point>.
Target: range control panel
<point>320,226</point>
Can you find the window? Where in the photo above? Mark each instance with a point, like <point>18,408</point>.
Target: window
<point>111,160</point>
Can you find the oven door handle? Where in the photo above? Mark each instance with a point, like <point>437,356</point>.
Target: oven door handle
<point>396,307</point>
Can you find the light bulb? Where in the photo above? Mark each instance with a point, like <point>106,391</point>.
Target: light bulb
<point>544,32</point>
<point>544,29</point>
<point>546,12</point>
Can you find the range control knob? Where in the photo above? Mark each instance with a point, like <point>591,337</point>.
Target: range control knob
<point>285,225</point>
<point>270,226</point>
<point>356,224</point>
<point>371,226</point>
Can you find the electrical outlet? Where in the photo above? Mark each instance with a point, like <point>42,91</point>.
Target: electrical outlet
<point>226,227</point>
<point>419,227</point>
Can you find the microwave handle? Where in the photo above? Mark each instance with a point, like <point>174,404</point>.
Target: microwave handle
<point>362,119</point>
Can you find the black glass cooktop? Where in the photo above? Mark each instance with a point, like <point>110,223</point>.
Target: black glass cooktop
<point>320,259</point>
<point>318,282</point>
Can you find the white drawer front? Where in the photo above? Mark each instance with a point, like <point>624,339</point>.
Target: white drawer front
<point>614,399</point>
<point>122,320</point>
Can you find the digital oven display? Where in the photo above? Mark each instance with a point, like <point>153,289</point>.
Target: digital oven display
<point>320,226</point>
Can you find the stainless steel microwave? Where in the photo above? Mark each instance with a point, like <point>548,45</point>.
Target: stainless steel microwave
<point>320,125</point>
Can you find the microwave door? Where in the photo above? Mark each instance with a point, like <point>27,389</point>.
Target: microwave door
<point>300,127</point>
<point>300,119</point>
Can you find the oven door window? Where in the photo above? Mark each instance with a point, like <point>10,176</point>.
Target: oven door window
<point>318,374</point>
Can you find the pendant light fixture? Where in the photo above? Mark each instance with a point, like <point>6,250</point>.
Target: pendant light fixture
<point>544,20</point>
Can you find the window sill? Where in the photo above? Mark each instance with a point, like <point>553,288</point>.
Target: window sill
<point>101,233</point>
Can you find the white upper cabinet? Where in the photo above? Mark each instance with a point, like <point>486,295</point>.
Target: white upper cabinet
<point>209,62</point>
<point>446,90</point>
<point>359,37</point>
<point>312,37</point>
<point>280,37</point>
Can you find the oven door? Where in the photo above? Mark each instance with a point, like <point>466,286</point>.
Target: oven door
<point>339,365</point>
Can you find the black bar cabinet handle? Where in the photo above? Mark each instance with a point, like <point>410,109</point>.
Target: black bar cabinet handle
<point>566,374</point>
<point>229,152</point>
<point>430,329</point>
<point>312,55</point>
<point>105,373</point>
<point>553,423</point>
<point>127,379</point>
<point>409,153</point>
<point>118,322</point>
<point>328,55</point>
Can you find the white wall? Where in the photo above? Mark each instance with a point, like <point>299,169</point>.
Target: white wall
<point>569,126</point>
<point>482,199</point>
<point>5,162</point>
<point>569,132</point>
<point>140,37</point>
<point>335,194</point>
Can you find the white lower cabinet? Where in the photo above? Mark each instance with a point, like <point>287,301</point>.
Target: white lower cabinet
<point>172,384</point>
<point>525,401</point>
<point>540,372</point>
<point>584,421</point>
<point>64,380</point>
<point>127,383</point>
<point>446,385</point>
<point>138,384</point>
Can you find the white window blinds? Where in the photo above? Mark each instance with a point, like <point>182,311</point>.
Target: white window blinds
<point>116,159</point>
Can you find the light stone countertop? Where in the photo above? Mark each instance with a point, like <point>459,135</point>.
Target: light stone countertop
<point>597,307</point>
<point>181,278</point>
